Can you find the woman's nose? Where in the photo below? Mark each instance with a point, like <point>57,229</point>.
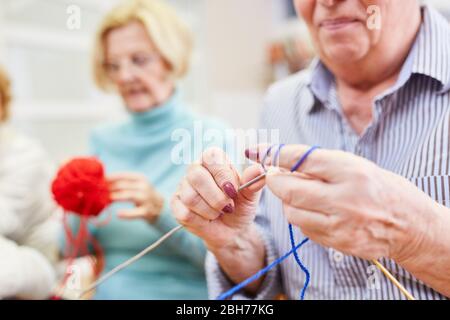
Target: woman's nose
<point>125,73</point>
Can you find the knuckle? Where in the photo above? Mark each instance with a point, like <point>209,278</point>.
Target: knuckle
<point>213,155</point>
<point>219,203</point>
<point>333,224</point>
<point>289,214</point>
<point>221,176</point>
<point>177,207</point>
<point>291,195</point>
<point>191,200</point>
<point>214,215</point>
<point>184,217</point>
<point>195,175</point>
<point>361,178</point>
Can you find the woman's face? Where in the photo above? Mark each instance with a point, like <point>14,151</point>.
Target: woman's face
<point>345,31</point>
<point>135,66</point>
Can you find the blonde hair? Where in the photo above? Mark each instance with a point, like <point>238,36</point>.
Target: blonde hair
<point>169,34</point>
<point>5,95</point>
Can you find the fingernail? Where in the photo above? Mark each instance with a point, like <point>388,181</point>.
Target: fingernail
<point>252,154</point>
<point>229,190</point>
<point>228,208</point>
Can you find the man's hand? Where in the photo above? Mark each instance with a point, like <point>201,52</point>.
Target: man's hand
<point>346,202</point>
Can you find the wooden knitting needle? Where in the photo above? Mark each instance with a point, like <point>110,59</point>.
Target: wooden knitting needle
<point>393,280</point>
<point>130,261</point>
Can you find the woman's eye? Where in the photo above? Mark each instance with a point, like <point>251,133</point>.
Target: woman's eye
<point>141,61</point>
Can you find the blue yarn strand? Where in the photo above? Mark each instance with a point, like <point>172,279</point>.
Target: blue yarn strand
<point>265,157</point>
<point>277,154</point>
<point>291,231</point>
<point>259,274</point>
<point>304,157</point>
<point>299,262</point>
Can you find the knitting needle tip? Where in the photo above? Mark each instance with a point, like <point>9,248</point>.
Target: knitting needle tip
<point>252,182</point>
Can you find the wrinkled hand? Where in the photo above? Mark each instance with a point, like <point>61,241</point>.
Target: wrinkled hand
<point>135,188</point>
<point>348,203</point>
<point>207,202</point>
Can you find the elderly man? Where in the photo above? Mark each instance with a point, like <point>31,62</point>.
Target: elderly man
<point>378,103</point>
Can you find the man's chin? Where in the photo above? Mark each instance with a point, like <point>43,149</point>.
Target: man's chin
<point>344,54</point>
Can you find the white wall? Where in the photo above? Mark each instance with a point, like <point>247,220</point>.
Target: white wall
<point>236,39</point>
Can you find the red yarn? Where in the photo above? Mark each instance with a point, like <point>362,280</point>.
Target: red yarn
<point>80,188</point>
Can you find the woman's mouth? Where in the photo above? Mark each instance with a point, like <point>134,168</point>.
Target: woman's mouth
<point>135,92</point>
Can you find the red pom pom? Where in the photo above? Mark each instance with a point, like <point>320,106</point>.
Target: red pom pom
<point>80,187</point>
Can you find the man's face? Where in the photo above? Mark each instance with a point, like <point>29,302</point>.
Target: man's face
<point>348,30</point>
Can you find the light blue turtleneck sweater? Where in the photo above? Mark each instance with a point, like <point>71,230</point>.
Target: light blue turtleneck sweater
<point>143,144</point>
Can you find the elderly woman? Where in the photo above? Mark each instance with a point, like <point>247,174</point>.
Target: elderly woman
<point>378,102</point>
<point>28,235</point>
<point>142,50</point>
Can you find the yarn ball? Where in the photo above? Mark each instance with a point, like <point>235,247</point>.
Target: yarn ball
<point>80,187</point>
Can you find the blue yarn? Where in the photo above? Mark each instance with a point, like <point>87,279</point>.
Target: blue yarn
<point>303,158</point>
<point>291,231</point>
<point>259,274</point>
<point>299,262</point>
<point>294,249</point>
<point>265,156</point>
<point>277,154</point>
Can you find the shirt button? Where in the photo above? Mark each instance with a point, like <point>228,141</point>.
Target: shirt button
<point>338,256</point>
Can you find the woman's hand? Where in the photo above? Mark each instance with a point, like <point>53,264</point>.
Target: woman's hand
<point>346,202</point>
<point>135,188</point>
<point>209,205</point>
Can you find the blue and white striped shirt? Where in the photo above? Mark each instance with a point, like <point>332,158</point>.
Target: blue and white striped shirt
<point>409,135</point>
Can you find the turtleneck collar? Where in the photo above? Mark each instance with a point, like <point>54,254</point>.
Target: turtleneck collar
<point>160,116</point>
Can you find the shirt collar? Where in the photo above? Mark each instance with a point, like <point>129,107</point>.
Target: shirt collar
<point>432,48</point>
<point>428,57</point>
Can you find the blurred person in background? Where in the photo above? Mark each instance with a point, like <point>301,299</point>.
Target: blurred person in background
<point>142,50</point>
<point>290,55</point>
<point>28,233</point>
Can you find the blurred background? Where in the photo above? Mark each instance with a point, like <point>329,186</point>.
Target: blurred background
<point>241,47</point>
